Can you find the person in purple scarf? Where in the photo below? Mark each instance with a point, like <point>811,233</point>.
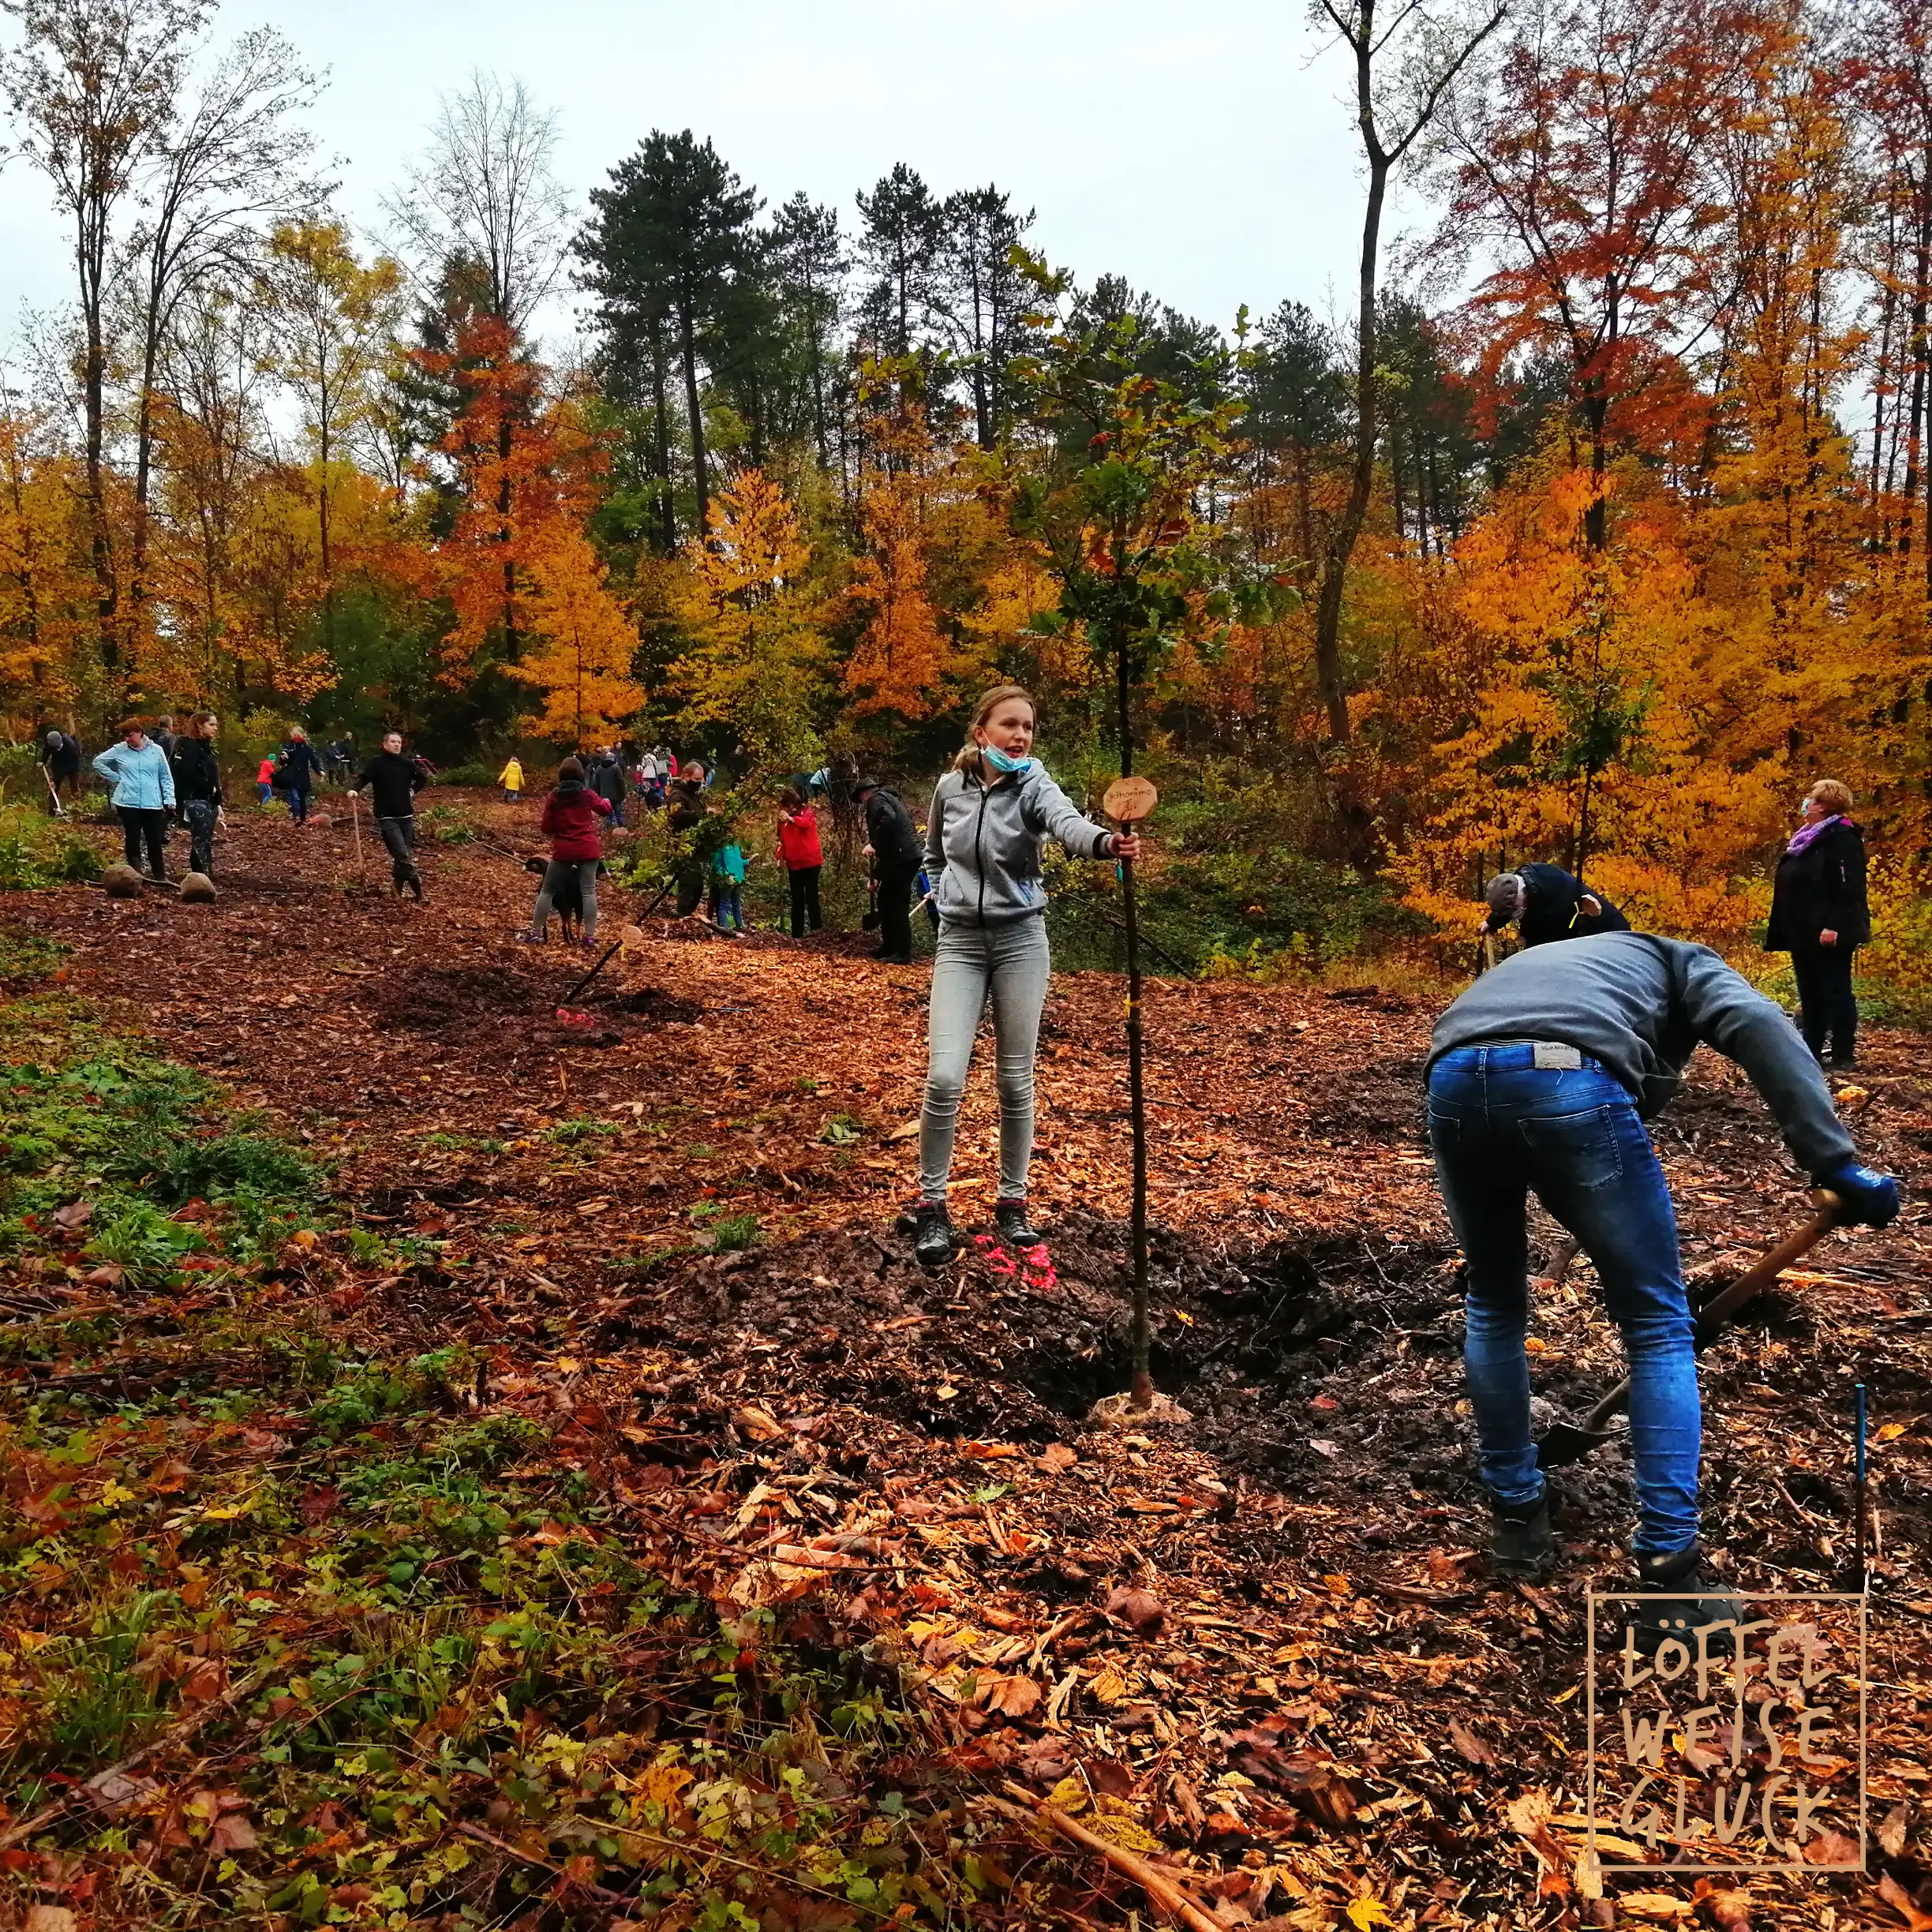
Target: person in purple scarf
<point>1818,915</point>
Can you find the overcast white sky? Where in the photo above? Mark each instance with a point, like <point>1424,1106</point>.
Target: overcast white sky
<point>1203,152</point>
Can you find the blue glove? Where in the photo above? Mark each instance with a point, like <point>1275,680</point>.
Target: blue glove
<point>1870,1199</point>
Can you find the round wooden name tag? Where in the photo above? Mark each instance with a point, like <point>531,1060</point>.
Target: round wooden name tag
<point>1129,800</point>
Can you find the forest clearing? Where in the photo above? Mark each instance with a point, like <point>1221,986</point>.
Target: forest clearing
<point>809,1551</point>
<point>1102,1280</point>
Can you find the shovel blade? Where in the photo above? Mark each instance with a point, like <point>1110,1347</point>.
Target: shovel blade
<point>1565,1443</point>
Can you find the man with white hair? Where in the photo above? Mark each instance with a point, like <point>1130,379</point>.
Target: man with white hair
<point>1547,902</point>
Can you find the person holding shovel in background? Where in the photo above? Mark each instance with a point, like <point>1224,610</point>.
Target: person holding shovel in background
<point>991,816</point>
<point>61,754</point>
<point>1540,1077</point>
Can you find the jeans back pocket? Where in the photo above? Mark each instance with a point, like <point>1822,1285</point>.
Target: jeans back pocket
<point>1585,1149</point>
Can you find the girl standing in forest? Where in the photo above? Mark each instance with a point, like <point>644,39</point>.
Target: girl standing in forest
<point>572,816</point>
<point>803,858</point>
<point>991,816</point>
<point>1819,915</point>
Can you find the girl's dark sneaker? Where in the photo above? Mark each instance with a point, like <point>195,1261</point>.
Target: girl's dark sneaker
<point>932,1233</point>
<point>1524,1545</point>
<point>1010,1217</point>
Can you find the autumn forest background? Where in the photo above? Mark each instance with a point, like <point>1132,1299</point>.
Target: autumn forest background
<point>1595,527</point>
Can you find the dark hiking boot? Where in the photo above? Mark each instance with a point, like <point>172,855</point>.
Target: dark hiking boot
<point>932,1233</point>
<point>1015,1229</point>
<point>1525,1547</point>
<point>1699,1598</point>
<point>415,885</point>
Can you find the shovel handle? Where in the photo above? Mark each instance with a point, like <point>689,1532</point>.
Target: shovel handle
<point>1717,1312</point>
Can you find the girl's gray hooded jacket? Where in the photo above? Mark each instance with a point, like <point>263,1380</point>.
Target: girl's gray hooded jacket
<point>983,843</point>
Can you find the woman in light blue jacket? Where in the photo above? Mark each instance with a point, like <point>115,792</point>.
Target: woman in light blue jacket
<point>991,816</point>
<point>143,794</point>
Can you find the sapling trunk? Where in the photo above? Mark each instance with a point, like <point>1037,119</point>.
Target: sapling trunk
<point>1142,1385</point>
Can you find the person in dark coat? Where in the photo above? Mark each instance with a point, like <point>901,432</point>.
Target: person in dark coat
<point>605,777</point>
<point>1819,917</point>
<point>197,789</point>
<point>893,844</point>
<point>60,751</point>
<point>302,766</point>
<point>392,780</point>
<point>1547,902</point>
<point>685,798</point>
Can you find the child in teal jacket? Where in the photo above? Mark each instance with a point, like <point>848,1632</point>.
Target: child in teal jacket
<point>728,876</point>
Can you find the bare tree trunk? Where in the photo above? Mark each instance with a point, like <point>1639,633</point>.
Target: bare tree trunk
<point>701,473</point>
<point>1348,528</point>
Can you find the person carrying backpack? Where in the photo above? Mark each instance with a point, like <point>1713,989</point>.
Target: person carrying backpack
<point>991,816</point>
<point>803,859</point>
<point>573,815</point>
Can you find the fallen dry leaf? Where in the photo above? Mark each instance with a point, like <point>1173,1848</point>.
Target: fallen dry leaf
<point>1140,1610</point>
<point>1472,1746</point>
<point>1900,1901</point>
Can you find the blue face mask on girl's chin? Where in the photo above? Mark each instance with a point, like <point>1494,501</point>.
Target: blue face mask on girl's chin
<point>1001,762</point>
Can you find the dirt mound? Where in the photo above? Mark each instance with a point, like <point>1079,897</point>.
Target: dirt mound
<point>1022,1346</point>
<point>449,1001</point>
<point>660,1008</point>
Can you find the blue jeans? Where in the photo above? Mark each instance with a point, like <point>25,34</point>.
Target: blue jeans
<point>1500,1125</point>
<point>1007,965</point>
<point>728,905</point>
<point>298,804</point>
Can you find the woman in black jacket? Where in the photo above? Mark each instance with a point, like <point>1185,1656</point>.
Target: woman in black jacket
<point>1818,915</point>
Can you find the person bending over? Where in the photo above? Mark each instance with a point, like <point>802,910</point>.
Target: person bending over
<point>991,816</point>
<point>1547,902</point>
<point>1540,1078</point>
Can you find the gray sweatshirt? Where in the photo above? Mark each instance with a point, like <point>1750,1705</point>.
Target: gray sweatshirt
<point>1642,1006</point>
<point>983,843</point>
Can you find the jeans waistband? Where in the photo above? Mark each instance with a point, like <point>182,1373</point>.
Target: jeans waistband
<point>1505,1056</point>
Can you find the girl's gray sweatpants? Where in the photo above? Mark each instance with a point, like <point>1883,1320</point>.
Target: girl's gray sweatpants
<point>556,874</point>
<point>1007,962</point>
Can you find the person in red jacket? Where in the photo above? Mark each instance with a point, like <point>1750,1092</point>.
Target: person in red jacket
<point>804,857</point>
<point>572,816</point>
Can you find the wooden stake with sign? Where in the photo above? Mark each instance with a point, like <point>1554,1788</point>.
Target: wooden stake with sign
<point>1129,803</point>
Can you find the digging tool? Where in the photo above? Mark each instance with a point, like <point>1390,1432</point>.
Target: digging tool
<point>1570,1442</point>
<point>1127,801</point>
<point>610,953</point>
<point>1863,1524</point>
<point>355,818</point>
<point>60,810</point>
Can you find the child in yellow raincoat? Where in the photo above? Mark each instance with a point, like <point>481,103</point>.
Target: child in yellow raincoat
<point>511,778</point>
